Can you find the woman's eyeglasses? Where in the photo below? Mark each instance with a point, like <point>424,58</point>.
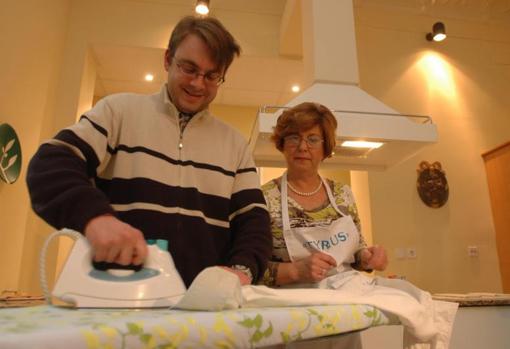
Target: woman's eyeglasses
<point>193,72</point>
<point>312,141</point>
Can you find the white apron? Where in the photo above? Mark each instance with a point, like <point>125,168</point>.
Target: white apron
<point>340,239</point>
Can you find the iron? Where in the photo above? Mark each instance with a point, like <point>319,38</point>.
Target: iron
<point>156,284</point>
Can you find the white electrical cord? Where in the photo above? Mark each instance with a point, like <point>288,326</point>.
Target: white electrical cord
<point>42,258</point>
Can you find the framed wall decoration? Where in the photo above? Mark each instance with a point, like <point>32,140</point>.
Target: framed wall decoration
<point>10,154</point>
<point>432,185</point>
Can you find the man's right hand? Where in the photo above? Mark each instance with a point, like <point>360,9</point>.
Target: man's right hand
<point>114,241</point>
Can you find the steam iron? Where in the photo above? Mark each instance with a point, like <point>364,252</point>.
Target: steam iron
<point>156,284</point>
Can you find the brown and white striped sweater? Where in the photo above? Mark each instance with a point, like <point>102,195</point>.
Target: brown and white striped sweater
<point>197,189</point>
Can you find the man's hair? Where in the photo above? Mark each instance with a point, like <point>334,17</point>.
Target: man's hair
<point>303,117</point>
<point>221,43</point>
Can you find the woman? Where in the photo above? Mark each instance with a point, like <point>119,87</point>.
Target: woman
<point>314,221</point>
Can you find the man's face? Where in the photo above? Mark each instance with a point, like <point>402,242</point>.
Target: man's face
<point>191,93</point>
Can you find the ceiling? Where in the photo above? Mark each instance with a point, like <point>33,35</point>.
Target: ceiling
<point>465,9</point>
<point>250,81</point>
<point>256,80</point>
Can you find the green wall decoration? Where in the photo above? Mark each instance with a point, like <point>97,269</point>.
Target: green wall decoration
<point>10,154</point>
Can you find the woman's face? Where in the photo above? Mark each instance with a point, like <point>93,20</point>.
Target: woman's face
<point>304,151</point>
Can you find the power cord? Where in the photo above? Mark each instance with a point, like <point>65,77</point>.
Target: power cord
<point>42,258</point>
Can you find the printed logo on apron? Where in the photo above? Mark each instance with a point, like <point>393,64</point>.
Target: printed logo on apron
<point>340,239</point>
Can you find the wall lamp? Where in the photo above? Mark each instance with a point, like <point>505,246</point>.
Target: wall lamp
<point>202,7</point>
<point>438,32</point>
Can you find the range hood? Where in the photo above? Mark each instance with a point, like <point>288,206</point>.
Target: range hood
<point>331,71</point>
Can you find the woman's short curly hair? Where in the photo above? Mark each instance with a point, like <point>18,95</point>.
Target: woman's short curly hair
<point>303,117</point>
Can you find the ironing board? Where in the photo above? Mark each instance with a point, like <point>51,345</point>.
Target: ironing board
<point>53,327</point>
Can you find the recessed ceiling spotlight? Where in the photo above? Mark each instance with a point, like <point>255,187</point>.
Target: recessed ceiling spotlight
<point>202,7</point>
<point>149,77</point>
<point>295,88</point>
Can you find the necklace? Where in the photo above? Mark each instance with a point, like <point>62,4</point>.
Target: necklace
<point>302,193</point>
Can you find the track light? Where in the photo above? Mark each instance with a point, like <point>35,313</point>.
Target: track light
<point>202,7</point>
<point>438,32</point>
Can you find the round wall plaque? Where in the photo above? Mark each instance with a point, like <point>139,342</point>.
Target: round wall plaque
<point>432,184</point>
<point>10,154</point>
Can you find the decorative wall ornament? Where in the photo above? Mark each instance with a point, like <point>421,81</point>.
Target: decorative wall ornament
<point>432,184</point>
<point>10,154</point>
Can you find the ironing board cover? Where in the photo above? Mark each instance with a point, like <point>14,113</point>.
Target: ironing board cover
<point>53,327</point>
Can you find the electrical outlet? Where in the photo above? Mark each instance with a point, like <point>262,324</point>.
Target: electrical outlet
<point>411,252</point>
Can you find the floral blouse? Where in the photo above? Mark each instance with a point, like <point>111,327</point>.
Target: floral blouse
<point>299,217</point>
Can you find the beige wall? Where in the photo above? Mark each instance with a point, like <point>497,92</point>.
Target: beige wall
<point>461,85</point>
<point>240,117</point>
<point>87,85</point>
<point>361,190</point>
<point>33,35</point>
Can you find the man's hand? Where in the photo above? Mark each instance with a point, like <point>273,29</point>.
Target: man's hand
<point>374,258</point>
<point>114,241</point>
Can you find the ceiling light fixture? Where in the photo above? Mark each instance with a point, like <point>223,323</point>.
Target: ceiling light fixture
<point>295,88</point>
<point>202,7</point>
<point>362,144</point>
<point>149,77</point>
<point>438,32</point>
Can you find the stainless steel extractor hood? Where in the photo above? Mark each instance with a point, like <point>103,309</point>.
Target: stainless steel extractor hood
<point>331,71</point>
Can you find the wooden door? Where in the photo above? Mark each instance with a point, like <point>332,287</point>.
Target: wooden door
<point>497,166</point>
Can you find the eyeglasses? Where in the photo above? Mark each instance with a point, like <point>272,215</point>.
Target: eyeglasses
<point>312,141</point>
<point>193,72</point>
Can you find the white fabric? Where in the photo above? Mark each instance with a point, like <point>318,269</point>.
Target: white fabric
<point>427,323</point>
<point>340,239</point>
<point>214,289</point>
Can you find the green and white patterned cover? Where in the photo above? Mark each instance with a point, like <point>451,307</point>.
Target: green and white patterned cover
<point>54,327</point>
<point>10,154</point>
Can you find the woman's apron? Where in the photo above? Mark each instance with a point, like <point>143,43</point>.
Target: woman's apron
<point>340,239</point>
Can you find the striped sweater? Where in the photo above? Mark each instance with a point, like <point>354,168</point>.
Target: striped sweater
<point>198,188</point>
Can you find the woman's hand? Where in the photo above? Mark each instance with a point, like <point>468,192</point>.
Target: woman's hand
<point>311,269</point>
<point>374,258</point>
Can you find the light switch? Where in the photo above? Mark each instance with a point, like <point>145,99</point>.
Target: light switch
<point>400,253</point>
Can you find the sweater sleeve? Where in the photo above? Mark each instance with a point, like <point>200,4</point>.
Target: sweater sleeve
<point>60,190</point>
<point>249,220</point>
<point>60,175</point>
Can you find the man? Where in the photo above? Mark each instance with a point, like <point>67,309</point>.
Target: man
<point>161,167</point>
